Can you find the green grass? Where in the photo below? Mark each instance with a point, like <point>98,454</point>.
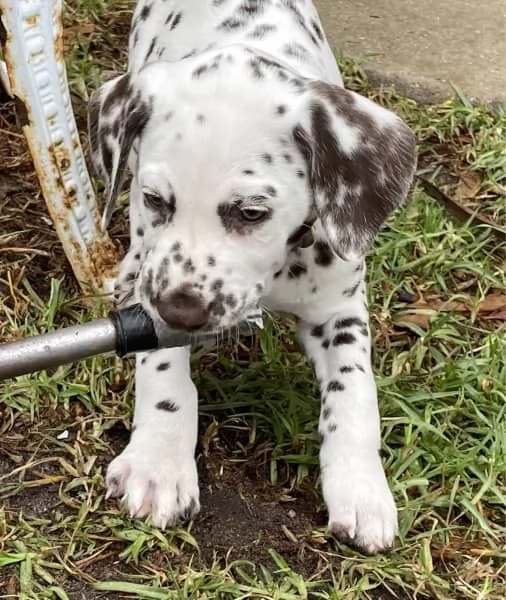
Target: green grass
<point>441,384</point>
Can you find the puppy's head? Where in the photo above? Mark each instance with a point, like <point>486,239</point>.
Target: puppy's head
<point>231,153</point>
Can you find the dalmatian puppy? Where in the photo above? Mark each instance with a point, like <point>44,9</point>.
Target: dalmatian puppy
<point>256,179</point>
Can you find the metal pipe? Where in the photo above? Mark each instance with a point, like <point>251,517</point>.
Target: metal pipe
<point>56,348</point>
<point>126,331</point>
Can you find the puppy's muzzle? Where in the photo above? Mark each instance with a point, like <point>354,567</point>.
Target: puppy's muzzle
<point>183,309</point>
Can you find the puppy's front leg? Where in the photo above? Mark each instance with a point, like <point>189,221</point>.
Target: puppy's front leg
<point>361,507</point>
<point>156,474</point>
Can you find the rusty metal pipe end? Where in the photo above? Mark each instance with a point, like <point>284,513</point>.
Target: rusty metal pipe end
<point>33,51</point>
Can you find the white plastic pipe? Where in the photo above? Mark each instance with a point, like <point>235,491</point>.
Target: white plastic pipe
<point>31,37</point>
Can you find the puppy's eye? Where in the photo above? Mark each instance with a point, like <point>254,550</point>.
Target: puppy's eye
<point>153,201</point>
<point>253,214</point>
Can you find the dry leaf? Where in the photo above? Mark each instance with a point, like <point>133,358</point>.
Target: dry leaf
<point>420,320</point>
<point>69,33</point>
<point>497,316</point>
<point>492,302</point>
<point>469,185</point>
<point>88,465</point>
<point>492,307</point>
<point>460,211</point>
<point>495,301</point>
<point>289,534</point>
<point>11,587</point>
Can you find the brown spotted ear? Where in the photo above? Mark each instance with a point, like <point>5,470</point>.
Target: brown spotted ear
<point>116,116</point>
<point>361,162</point>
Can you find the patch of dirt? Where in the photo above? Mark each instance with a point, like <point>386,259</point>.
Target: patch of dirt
<point>75,588</point>
<point>28,241</point>
<point>242,516</point>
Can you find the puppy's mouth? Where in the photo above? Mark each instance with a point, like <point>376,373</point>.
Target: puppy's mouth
<point>189,312</point>
<point>251,321</point>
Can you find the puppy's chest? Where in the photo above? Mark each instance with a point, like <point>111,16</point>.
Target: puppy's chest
<point>314,284</point>
<point>289,30</point>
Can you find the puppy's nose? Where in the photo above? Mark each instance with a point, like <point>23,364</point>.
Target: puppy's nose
<point>183,309</point>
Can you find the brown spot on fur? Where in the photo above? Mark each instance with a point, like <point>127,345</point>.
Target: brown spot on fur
<point>370,183</point>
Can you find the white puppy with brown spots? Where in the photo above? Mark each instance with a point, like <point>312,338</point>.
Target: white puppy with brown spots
<point>256,179</point>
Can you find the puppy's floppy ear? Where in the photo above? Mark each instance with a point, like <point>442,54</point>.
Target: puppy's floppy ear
<point>117,114</point>
<point>361,161</point>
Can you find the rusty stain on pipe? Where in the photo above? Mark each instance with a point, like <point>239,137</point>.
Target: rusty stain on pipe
<point>32,43</point>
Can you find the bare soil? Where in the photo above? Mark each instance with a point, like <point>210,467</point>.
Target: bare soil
<point>242,517</point>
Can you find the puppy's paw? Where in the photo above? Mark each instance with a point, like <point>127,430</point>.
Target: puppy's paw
<point>152,482</point>
<point>361,507</point>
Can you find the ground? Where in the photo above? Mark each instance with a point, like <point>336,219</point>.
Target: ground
<point>436,289</point>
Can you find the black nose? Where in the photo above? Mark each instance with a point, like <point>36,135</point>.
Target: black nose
<point>183,309</point>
